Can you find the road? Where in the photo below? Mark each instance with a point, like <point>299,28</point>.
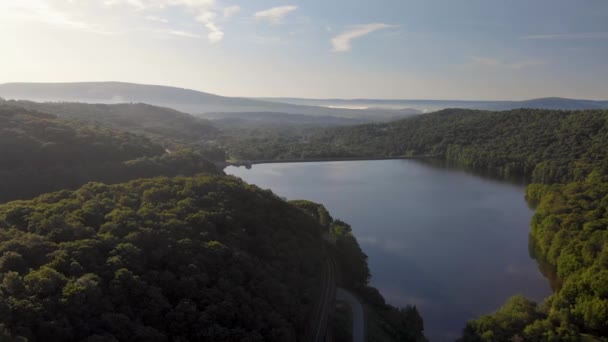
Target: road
<point>326,303</point>
<point>358,318</point>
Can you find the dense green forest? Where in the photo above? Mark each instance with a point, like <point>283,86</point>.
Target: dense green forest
<point>42,153</point>
<point>162,124</point>
<point>207,258</point>
<point>570,235</point>
<point>541,145</point>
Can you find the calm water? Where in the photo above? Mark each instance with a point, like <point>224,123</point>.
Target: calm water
<point>454,244</point>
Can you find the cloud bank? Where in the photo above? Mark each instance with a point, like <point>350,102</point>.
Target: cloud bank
<point>276,14</point>
<point>111,16</point>
<point>343,41</point>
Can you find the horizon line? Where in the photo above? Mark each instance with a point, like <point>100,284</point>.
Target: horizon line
<point>308,98</point>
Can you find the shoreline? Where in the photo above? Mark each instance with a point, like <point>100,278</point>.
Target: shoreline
<point>250,163</point>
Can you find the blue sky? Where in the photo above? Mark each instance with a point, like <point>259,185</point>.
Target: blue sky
<point>431,49</point>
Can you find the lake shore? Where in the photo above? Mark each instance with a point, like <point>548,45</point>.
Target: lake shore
<point>249,163</point>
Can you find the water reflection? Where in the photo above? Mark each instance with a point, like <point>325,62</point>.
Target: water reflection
<point>488,174</point>
<point>548,270</point>
<point>452,243</point>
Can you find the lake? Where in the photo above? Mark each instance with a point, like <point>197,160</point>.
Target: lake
<point>452,243</point>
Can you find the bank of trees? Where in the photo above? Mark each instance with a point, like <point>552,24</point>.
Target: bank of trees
<point>162,124</point>
<point>545,146</point>
<point>33,139</point>
<point>42,153</point>
<point>184,259</point>
<point>570,234</point>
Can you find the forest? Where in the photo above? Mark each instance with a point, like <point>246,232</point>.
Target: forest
<point>42,153</point>
<point>110,251</point>
<point>205,258</point>
<point>543,146</point>
<point>161,124</point>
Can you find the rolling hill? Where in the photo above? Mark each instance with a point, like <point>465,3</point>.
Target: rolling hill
<point>185,100</point>
<point>41,153</point>
<point>155,122</point>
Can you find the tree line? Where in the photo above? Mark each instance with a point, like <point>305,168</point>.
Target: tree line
<point>207,258</point>
<point>42,153</point>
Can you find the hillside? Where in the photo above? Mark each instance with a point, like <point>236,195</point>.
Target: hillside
<point>46,140</point>
<point>206,258</point>
<point>156,122</point>
<point>540,145</point>
<point>185,100</point>
<point>43,153</point>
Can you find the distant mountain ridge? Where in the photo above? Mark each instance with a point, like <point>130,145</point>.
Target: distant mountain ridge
<point>198,103</point>
<point>556,103</point>
<point>185,100</point>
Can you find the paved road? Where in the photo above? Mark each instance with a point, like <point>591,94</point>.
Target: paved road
<point>326,304</point>
<point>358,318</point>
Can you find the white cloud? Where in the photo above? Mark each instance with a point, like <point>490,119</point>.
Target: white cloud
<point>569,36</point>
<point>275,15</point>
<point>157,19</point>
<point>38,11</point>
<point>497,63</point>
<point>207,18</point>
<point>103,17</point>
<point>182,34</point>
<point>168,33</point>
<point>205,14</point>
<point>231,11</point>
<point>343,41</point>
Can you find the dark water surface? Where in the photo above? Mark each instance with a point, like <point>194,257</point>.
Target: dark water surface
<point>452,243</point>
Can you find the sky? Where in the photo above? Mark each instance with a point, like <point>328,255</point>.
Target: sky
<point>383,49</point>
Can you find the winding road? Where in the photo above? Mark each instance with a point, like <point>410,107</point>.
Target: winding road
<point>358,317</point>
<point>326,303</point>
